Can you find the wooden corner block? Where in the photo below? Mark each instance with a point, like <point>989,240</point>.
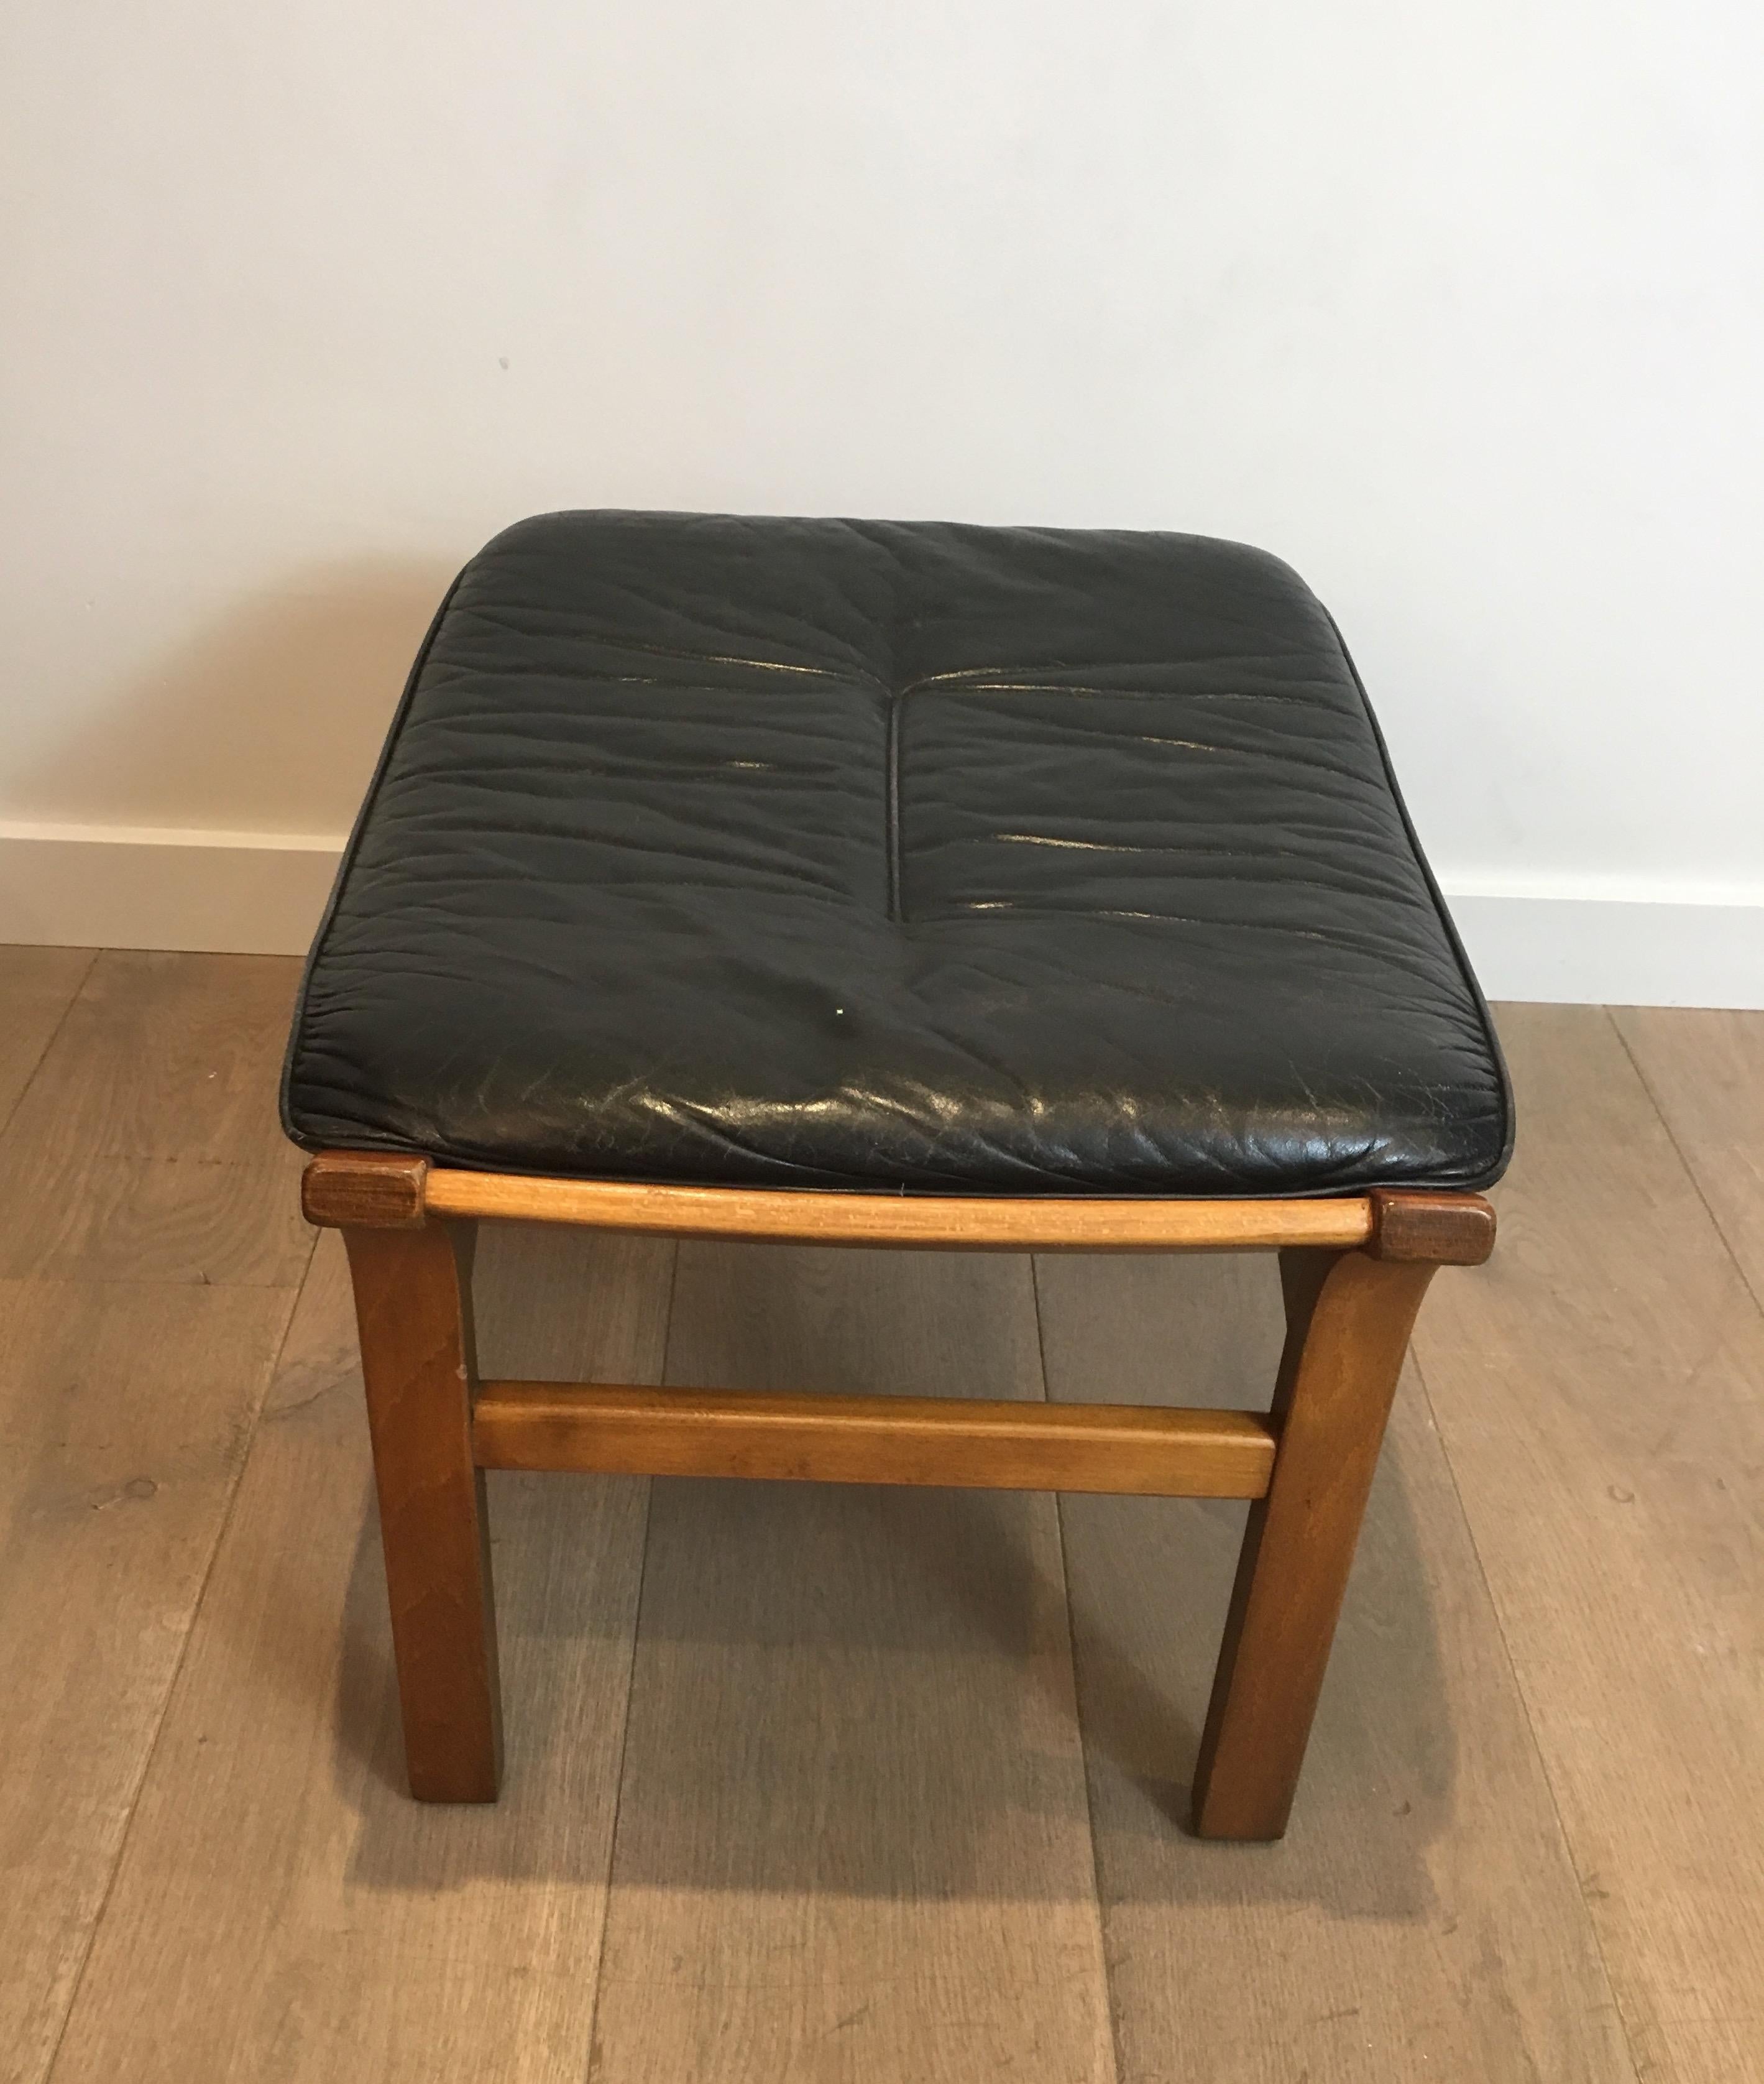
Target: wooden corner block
<point>368,1189</point>
<point>1450,1230</point>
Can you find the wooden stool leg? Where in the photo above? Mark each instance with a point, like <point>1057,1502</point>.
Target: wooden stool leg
<point>413,1305</point>
<point>1348,1320</point>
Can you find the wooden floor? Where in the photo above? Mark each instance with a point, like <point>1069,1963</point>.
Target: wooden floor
<point>817,1784</point>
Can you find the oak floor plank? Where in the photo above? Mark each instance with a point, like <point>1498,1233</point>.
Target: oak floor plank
<point>1704,1070</point>
<point>283,1910</point>
<point>1600,1388</point>
<point>146,1146</point>
<point>1421,1919</point>
<point>37,985</point>
<point>852,1838</point>
<point>124,1415</point>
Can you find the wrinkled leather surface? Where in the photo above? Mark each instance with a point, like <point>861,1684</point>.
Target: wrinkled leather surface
<point>881,854</point>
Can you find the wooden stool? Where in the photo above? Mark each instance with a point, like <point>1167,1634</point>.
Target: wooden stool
<point>719,881</point>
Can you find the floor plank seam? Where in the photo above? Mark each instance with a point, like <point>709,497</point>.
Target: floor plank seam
<point>152,1746</point>
<point>1041,1336</point>
<point>1116,2058</point>
<point>630,1691</point>
<point>49,1041</point>
<point>111,1281</point>
<point>1684,1159</point>
<point>618,1798</point>
<point>1637,2069</point>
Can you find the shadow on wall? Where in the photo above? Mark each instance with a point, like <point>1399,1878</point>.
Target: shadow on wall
<point>267,720</point>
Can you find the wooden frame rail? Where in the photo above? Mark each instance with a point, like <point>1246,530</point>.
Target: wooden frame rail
<point>1153,1452</point>
<point>943,1220</point>
<point>387,1190</point>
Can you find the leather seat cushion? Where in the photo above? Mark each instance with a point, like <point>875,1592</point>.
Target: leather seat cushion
<point>892,855</point>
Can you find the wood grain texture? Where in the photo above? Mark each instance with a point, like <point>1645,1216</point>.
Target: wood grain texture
<point>413,1313</point>
<point>996,1222</point>
<point>852,1839</point>
<point>1704,1071</point>
<point>1421,1919</point>
<point>1447,1230</point>
<point>146,1146</point>
<point>124,1416</point>
<point>1600,1387</point>
<point>989,1445</point>
<point>37,985</point>
<point>1348,1318</point>
<point>283,1910</point>
<point>377,1189</point>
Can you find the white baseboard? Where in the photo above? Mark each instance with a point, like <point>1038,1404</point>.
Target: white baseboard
<point>1602,950</point>
<point>261,893</point>
<point>131,886</point>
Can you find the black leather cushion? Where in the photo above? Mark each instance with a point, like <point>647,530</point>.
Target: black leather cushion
<point>803,852</point>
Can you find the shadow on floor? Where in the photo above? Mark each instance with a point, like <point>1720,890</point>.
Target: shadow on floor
<point>871,1691</point>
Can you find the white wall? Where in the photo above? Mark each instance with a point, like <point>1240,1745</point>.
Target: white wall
<point>1458,309</point>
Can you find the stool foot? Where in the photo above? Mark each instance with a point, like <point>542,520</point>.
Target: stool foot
<point>413,1307</point>
<point>1348,1320</point>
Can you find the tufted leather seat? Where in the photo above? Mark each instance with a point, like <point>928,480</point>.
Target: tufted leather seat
<point>875,855</point>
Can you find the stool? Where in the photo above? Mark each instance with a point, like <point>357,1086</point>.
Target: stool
<point>899,884</point>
